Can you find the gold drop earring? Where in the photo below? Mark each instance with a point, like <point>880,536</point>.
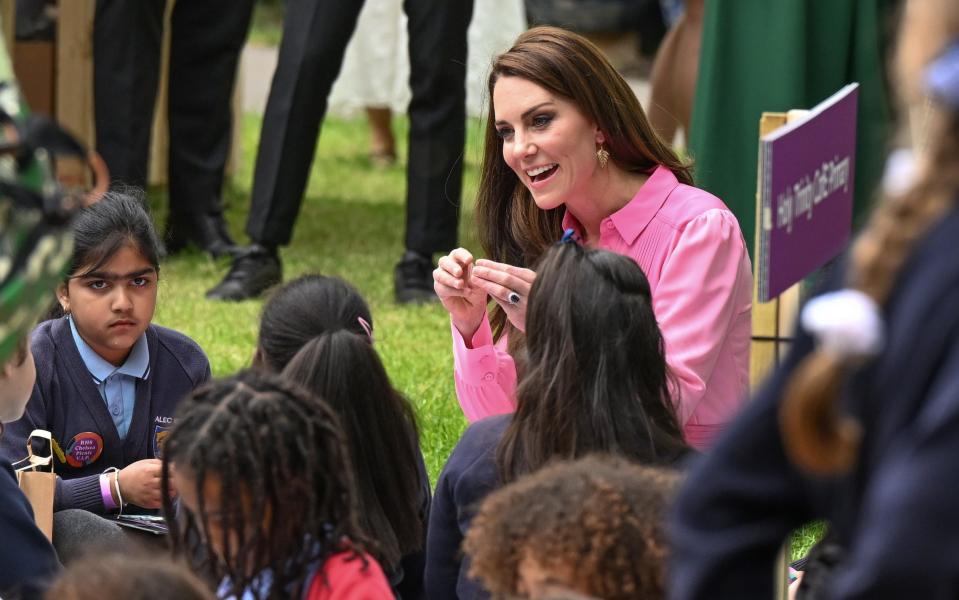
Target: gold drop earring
<point>602,155</point>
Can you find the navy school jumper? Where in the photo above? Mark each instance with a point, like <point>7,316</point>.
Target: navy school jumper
<point>27,560</point>
<point>66,402</point>
<point>471,474</point>
<point>896,512</point>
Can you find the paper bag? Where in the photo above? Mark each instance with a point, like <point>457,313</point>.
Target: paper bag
<point>38,482</point>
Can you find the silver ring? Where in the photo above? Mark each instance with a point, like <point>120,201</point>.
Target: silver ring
<point>513,298</point>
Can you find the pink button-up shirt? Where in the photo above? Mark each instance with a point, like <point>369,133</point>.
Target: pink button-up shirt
<point>691,249</point>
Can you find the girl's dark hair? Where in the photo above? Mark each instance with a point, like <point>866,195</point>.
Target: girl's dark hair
<point>117,575</point>
<point>287,494</point>
<point>599,520</point>
<point>311,331</point>
<point>595,378</point>
<point>512,228</point>
<point>103,228</point>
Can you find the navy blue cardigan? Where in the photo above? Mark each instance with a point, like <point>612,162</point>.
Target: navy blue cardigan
<point>66,402</point>
<point>468,477</point>
<point>27,560</point>
<point>895,513</point>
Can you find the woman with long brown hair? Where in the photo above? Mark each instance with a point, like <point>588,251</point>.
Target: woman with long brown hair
<point>567,146</point>
<point>861,425</point>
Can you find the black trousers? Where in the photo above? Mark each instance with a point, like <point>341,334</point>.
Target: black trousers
<point>315,35</point>
<point>206,39</point>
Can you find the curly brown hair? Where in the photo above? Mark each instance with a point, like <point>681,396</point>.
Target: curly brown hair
<point>598,520</point>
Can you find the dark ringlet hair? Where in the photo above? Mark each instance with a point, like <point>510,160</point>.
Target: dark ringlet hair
<point>287,494</point>
<point>595,378</point>
<point>310,330</point>
<point>600,519</point>
<point>119,575</point>
<point>512,228</point>
<point>103,228</point>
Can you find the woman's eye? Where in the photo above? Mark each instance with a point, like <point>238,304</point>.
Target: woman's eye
<point>140,281</point>
<point>97,284</point>
<point>504,133</point>
<point>541,121</point>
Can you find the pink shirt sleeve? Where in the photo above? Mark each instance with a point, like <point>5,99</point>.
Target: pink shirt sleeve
<point>700,289</point>
<point>484,373</point>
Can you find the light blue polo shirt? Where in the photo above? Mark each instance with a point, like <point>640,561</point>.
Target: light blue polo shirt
<point>117,385</point>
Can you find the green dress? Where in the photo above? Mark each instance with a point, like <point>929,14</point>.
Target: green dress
<point>775,55</point>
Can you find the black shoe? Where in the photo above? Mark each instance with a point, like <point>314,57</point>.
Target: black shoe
<point>413,279</point>
<point>207,231</point>
<point>255,269</point>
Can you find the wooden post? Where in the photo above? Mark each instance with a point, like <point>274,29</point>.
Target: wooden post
<point>772,327</point>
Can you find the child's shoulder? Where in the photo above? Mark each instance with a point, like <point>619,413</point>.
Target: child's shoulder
<point>346,576</point>
<point>45,338</point>
<point>182,349</point>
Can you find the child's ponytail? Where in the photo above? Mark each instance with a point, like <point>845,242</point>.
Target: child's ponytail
<point>816,436</point>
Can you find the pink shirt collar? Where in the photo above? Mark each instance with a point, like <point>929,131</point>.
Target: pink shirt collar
<point>632,219</point>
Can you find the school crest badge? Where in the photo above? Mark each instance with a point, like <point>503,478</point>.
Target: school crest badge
<point>160,434</point>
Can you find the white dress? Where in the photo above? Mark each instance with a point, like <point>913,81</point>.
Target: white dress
<point>376,68</point>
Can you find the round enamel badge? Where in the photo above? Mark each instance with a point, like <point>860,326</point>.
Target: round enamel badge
<point>84,449</point>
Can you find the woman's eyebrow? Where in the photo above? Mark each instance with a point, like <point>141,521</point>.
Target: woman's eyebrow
<point>107,275</point>
<point>528,112</point>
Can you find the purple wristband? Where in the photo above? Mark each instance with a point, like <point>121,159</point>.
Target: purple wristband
<point>105,492</point>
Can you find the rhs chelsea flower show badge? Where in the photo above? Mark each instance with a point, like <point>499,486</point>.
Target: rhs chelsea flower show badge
<point>83,449</point>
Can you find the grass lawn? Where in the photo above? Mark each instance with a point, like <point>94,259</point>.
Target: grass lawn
<point>351,225</point>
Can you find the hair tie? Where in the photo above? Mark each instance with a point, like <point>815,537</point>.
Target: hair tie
<point>846,323</point>
<point>941,78</point>
<point>569,237</point>
<point>366,327</point>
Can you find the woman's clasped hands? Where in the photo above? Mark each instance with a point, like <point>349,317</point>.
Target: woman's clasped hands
<point>464,285</point>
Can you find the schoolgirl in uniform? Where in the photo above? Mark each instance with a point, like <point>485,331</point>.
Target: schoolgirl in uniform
<point>318,332</point>
<point>108,380</point>
<point>860,425</point>
<point>590,324</point>
<point>266,496</point>
<point>27,560</point>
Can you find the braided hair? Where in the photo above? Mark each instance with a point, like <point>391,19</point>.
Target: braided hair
<point>816,436</point>
<point>286,494</point>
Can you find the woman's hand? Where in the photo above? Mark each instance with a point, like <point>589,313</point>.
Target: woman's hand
<point>140,483</point>
<point>504,283</point>
<point>465,302</point>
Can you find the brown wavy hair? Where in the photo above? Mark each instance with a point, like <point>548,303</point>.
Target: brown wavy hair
<point>598,523</point>
<point>816,436</point>
<point>512,229</point>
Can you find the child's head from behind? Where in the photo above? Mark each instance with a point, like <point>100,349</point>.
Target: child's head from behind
<point>595,526</point>
<point>316,331</point>
<point>263,479</point>
<point>304,309</point>
<point>111,285</point>
<point>16,383</point>
<point>595,377</point>
<point>130,577</point>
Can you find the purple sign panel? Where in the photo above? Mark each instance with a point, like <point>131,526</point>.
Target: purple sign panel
<point>807,172</point>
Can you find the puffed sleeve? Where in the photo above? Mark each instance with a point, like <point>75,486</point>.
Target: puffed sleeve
<point>705,284</point>
<point>485,374</point>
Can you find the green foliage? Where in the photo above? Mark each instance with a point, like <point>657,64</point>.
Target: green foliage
<point>351,224</point>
